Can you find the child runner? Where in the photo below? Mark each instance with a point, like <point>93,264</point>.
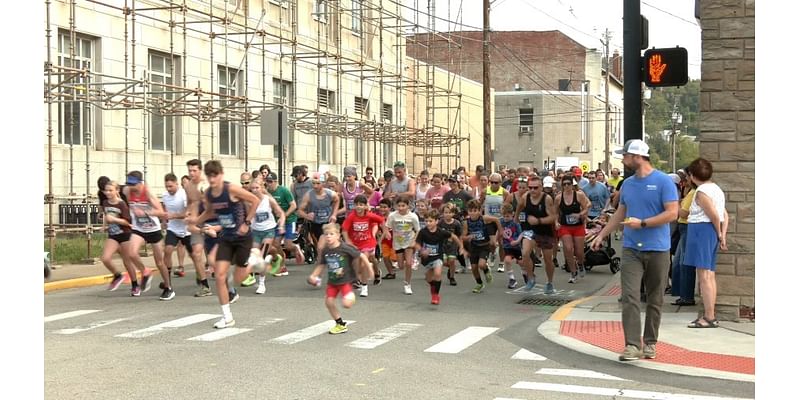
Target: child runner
<point>264,230</point>
<point>387,251</point>
<point>118,217</point>
<point>431,243</point>
<point>338,258</point>
<point>512,237</point>
<point>450,224</point>
<point>480,242</point>
<point>359,230</point>
<point>404,225</point>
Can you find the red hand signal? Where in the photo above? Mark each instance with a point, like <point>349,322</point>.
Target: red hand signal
<point>656,68</point>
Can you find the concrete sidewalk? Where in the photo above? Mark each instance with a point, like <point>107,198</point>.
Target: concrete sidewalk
<point>68,276</point>
<point>593,326</point>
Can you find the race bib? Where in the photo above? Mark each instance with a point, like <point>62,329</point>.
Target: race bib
<point>573,220</point>
<point>478,236</point>
<point>494,209</point>
<point>349,205</point>
<point>145,222</point>
<point>433,249</point>
<point>226,220</point>
<point>262,217</point>
<point>322,215</point>
<point>114,229</point>
<point>522,216</point>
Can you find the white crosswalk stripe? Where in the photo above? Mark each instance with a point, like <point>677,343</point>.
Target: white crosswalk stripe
<point>613,392</point>
<point>168,326</point>
<point>220,334</point>
<point>306,333</point>
<point>383,336</point>
<point>90,326</point>
<point>70,314</point>
<point>461,340</point>
<point>577,373</point>
<point>524,354</point>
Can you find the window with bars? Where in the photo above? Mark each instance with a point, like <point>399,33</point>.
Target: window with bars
<point>281,92</point>
<point>388,153</point>
<point>326,99</point>
<point>357,16</point>
<point>526,120</point>
<point>324,145</point>
<point>362,106</point>
<point>386,113</point>
<point>361,149</point>
<point>162,127</point>
<point>74,117</point>
<point>229,131</point>
<point>320,10</point>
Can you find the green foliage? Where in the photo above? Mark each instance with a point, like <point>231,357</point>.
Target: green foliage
<point>71,248</point>
<point>658,118</point>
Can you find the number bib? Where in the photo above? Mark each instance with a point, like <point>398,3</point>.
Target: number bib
<point>226,220</point>
<point>262,217</point>
<point>573,220</point>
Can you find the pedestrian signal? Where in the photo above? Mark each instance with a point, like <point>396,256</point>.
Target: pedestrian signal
<point>666,67</point>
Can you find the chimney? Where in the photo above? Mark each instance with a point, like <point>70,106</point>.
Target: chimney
<point>616,65</point>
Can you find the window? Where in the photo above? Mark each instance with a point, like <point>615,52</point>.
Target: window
<point>324,146</point>
<point>161,126</point>
<point>229,84</point>
<point>320,11</point>
<point>360,150</point>
<point>386,113</point>
<point>326,99</point>
<point>526,120</point>
<point>281,92</point>
<point>362,106</point>
<point>74,117</point>
<point>388,153</point>
<point>357,18</point>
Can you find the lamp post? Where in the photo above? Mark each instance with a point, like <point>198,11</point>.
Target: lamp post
<point>677,119</point>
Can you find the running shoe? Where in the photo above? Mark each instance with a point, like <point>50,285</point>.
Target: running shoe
<point>136,292</point>
<point>276,265</point>
<point>283,272</point>
<point>530,284</point>
<point>489,277</point>
<point>356,284</point>
<point>512,283</point>
<point>114,285</point>
<point>180,272</point>
<point>364,291</point>
<point>573,278</point>
<point>582,271</point>
<point>407,288</point>
<point>223,323</point>
<point>478,288</point>
<point>453,282</point>
<point>389,276</point>
<point>461,270</point>
<point>233,297</point>
<point>147,281</point>
<point>501,268</point>
<point>203,292</point>
<point>337,329</point>
<point>377,280</point>
<point>262,288</point>
<point>435,299</point>
<point>549,289</point>
<point>167,294</point>
<point>249,281</point>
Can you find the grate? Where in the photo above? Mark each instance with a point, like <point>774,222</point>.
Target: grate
<point>538,301</point>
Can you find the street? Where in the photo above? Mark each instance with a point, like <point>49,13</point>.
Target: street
<point>101,345</point>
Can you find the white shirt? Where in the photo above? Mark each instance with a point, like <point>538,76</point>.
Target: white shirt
<point>404,229</point>
<point>176,204</point>
<point>696,213</point>
<point>265,219</point>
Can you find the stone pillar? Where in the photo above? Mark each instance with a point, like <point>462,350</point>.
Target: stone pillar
<point>727,139</point>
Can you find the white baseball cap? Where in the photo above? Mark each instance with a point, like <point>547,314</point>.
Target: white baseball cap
<point>635,146</point>
<point>548,181</point>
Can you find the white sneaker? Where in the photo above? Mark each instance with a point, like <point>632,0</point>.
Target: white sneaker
<point>364,291</point>
<point>222,323</point>
<point>501,268</point>
<point>407,288</point>
<point>262,288</point>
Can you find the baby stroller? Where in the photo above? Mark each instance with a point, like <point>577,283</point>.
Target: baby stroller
<point>304,244</point>
<point>606,254</point>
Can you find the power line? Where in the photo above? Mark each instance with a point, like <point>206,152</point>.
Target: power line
<point>671,14</point>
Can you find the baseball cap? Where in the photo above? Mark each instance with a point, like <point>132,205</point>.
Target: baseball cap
<point>675,178</point>
<point>548,181</point>
<point>635,146</point>
<point>522,178</point>
<point>132,180</point>
<point>454,178</point>
<point>271,177</point>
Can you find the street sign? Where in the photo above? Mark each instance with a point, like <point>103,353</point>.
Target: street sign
<point>666,67</point>
<point>585,166</point>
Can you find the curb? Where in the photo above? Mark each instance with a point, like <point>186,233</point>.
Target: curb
<point>82,282</point>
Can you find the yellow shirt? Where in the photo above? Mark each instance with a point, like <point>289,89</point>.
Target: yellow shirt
<point>685,204</point>
<point>613,182</point>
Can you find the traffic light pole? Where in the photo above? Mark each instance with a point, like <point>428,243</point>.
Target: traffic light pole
<point>487,100</point>
<point>632,70</point>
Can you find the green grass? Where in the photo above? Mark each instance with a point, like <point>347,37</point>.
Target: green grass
<point>70,248</point>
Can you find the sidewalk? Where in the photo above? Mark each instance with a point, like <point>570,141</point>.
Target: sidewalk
<point>68,276</point>
<point>593,326</point>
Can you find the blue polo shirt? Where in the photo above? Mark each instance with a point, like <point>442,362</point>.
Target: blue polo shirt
<point>644,198</point>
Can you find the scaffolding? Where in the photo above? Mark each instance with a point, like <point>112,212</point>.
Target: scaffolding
<point>253,32</point>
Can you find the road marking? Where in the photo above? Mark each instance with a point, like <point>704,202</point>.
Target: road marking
<point>378,371</point>
<point>563,312</point>
<point>523,354</point>
<point>220,334</point>
<point>612,392</point>
<point>92,325</point>
<point>383,336</point>
<point>578,373</point>
<point>71,314</point>
<point>168,326</point>
<point>269,321</point>
<point>461,340</point>
<point>306,333</point>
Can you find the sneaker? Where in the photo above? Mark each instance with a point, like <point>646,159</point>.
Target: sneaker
<point>377,281</point>
<point>114,285</point>
<point>276,266</point>
<point>167,294</point>
<point>283,272</point>
<point>582,271</point>
<point>435,299</point>
<point>415,266</point>
<point>337,329</point>
<point>631,353</point>
<point>356,284</point>
<point>262,288</point>
<point>616,235</point>
<point>136,292</point>
<point>461,270</point>
<point>478,288</point>
<point>512,283</point>
<point>223,323</point>
<point>364,291</point>
<point>203,292</point>
<point>549,289</point>
<point>249,281</point>
<point>407,288</point>
<point>389,276</point>
<point>233,297</point>
<point>453,282</point>
<point>501,268</point>
<point>573,278</point>
<point>147,281</point>
<point>489,277</point>
<point>649,351</point>
<point>529,286</point>
<point>180,272</point>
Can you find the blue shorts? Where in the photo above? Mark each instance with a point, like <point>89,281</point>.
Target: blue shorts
<point>260,236</point>
<point>701,246</point>
<point>291,231</point>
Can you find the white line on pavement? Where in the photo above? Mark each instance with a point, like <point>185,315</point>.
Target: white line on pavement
<point>169,325</point>
<point>524,354</point>
<point>70,314</point>
<point>306,333</point>
<point>383,336</point>
<point>578,373</point>
<point>92,325</point>
<point>220,334</point>
<point>612,392</point>
<point>461,340</point>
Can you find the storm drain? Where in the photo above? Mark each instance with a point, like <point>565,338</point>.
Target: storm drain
<point>537,301</point>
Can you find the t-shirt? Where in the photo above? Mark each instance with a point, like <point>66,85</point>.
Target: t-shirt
<point>435,242</point>
<point>511,231</point>
<point>404,228</point>
<point>176,204</point>
<point>284,198</point>
<point>339,263</point>
<point>613,182</point>
<point>598,195</point>
<point>686,203</point>
<point>436,197</point>
<point>645,198</point>
<point>119,210</point>
<point>359,229</point>
<point>697,214</point>
<point>460,200</point>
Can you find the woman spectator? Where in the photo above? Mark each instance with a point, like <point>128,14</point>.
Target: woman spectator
<point>683,276</point>
<point>708,224</point>
<point>422,185</point>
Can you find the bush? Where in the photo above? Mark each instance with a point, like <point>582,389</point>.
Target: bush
<point>71,247</point>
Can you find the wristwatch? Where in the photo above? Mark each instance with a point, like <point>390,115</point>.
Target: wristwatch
<point>644,224</point>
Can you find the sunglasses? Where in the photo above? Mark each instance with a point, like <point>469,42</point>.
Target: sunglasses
<point>495,182</point>
<point>565,183</point>
<point>535,187</point>
<point>245,182</point>
<point>369,172</point>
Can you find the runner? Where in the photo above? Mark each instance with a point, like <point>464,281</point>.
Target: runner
<point>350,189</point>
<point>264,230</point>
<point>400,184</point>
<point>319,207</point>
<point>284,198</point>
<point>300,186</point>
<point>572,229</point>
<point>435,194</point>
<point>480,242</point>
<point>117,215</point>
<point>457,196</point>
<point>369,178</point>
<point>175,203</point>
<point>493,198</point>
<point>541,214</point>
<point>452,225</point>
<point>194,195</point>
<point>423,185</point>
<point>359,230</point>
<point>226,202</point>
<point>245,180</point>
<point>511,177</point>
<point>404,225</point>
<point>145,213</point>
<point>512,237</point>
<point>598,195</point>
<point>431,243</point>
<point>337,259</point>
<point>387,251</point>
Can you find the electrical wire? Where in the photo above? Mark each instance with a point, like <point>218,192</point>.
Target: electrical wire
<point>671,14</point>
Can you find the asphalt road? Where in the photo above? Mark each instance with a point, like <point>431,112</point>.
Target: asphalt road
<point>398,347</point>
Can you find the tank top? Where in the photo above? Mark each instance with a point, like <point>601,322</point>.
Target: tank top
<point>399,187</point>
<point>119,210</point>
<point>539,211</point>
<point>301,188</point>
<point>141,201</point>
<point>566,210</point>
<point>422,191</point>
<point>230,214</point>
<point>479,230</point>
<point>265,219</point>
<point>322,208</point>
<point>350,197</point>
<point>493,202</point>
<point>523,220</point>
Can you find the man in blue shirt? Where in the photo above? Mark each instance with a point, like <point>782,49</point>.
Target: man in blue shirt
<point>597,193</point>
<point>648,204</point>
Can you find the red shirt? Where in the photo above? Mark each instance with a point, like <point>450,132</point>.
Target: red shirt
<point>359,229</point>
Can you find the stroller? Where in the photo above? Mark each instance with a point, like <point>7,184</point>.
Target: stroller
<point>304,244</point>
<point>606,254</point>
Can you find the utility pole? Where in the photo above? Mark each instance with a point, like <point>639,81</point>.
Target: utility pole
<point>677,119</point>
<point>607,153</point>
<point>487,123</point>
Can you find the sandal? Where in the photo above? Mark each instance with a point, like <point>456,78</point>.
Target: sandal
<point>710,323</point>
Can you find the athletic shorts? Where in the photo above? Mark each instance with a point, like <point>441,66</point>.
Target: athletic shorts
<point>173,240</point>
<point>478,252</point>
<point>315,229</point>
<point>513,252</point>
<point>236,251</point>
<point>333,290</point>
<point>197,238</point>
<point>388,251</point>
<point>574,231</point>
<point>545,242</point>
<point>150,238</point>
<point>433,264</point>
<point>121,238</point>
<point>259,236</point>
<point>290,231</point>
<point>209,243</point>
<point>450,250</point>
<point>527,235</point>
<point>367,250</point>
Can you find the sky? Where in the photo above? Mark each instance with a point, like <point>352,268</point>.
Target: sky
<point>582,20</point>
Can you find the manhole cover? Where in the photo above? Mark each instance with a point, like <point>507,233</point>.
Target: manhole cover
<point>537,301</point>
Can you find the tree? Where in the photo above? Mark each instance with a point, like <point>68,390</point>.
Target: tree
<point>658,118</point>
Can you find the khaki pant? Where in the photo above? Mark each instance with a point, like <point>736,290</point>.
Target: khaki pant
<point>653,266</point>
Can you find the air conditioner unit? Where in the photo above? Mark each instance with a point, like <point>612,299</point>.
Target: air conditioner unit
<point>525,129</point>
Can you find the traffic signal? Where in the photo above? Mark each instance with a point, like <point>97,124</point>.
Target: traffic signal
<point>666,67</point>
